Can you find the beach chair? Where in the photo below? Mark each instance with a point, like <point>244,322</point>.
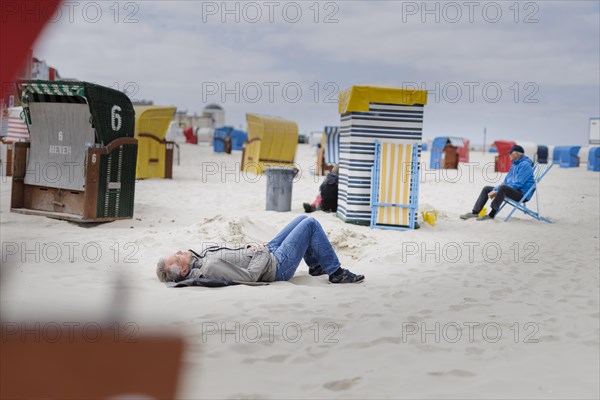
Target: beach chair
<point>395,185</point>
<point>222,139</point>
<point>368,114</point>
<point>539,171</point>
<point>155,153</point>
<point>86,133</point>
<point>329,153</point>
<point>272,142</point>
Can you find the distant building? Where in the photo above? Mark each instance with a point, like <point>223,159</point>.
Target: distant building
<point>213,116</point>
<point>217,113</point>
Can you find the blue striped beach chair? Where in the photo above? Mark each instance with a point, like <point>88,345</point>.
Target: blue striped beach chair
<point>332,144</point>
<point>395,185</point>
<point>369,114</point>
<point>539,171</point>
<point>329,153</point>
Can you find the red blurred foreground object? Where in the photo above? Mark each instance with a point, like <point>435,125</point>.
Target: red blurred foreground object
<point>21,22</point>
<point>77,365</point>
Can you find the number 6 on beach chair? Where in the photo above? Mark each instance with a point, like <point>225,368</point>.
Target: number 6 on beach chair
<point>539,171</point>
<point>395,185</point>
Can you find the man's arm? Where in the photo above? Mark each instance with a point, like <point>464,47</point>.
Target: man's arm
<point>522,175</point>
<point>258,263</point>
<point>236,269</point>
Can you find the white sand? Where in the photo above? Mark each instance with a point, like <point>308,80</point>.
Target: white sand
<point>547,293</point>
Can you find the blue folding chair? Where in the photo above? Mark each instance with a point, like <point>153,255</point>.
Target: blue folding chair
<point>539,171</point>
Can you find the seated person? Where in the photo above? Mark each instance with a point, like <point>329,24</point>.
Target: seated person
<point>274,261</point>
<point>518,181</point>
<point>328,194</point>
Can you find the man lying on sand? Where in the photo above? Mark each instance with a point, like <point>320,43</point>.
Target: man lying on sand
<point>518,181</point>
<point>276,261</point>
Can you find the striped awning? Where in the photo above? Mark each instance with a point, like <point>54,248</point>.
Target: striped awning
<point>55,88</point>
<point>112,114</point>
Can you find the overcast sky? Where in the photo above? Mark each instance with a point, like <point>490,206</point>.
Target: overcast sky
<point>526,71</point>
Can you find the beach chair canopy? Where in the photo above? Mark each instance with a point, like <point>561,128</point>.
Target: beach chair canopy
<point>190,137</point>
<point>566,156</point>
<point>594,159</point>
<point>153,120</point>
<point>151,127</point>
<point>503,157</point>
<point>173,132</point>
<point>503,146</point>
<point>541,155</point>
<point>238,137</point>
<point>66,118</point>
<point>332,144</point>
<point>272,141</point>
<point>359,98</point>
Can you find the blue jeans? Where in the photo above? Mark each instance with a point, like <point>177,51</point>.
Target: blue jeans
<point>302,238</point>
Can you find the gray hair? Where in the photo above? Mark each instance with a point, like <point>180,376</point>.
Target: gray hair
<point>171,273</point>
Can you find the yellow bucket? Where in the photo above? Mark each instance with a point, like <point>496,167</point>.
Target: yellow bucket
<point>430,216</point>
<point>482,212</point>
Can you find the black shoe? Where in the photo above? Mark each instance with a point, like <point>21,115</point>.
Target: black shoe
<point>316,271</point>
<point>307,208</point>
<point>346,277</point>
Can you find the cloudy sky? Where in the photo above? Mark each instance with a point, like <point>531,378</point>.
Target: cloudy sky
<point>523,70</point>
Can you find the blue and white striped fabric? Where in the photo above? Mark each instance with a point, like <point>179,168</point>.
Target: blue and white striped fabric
<point>332,145</point>
<point>359,130</point>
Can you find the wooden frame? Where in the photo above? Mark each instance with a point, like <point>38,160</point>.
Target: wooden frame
<point>70,205</point>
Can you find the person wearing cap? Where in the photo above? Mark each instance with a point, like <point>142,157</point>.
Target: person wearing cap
<point>278,260</point>
<point>518,181</point>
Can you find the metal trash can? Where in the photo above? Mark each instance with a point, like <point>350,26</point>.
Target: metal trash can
<point>279,188</point>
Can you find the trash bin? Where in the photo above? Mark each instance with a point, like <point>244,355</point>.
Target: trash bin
<point>279,188</point>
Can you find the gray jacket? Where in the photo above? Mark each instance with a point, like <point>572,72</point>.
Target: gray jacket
<point>241,265</point>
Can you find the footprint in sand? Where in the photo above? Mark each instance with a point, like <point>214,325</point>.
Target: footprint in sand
<point>474,350</point>
<point>455,372</point>
<point>344,384</point>
<point>278,358</point>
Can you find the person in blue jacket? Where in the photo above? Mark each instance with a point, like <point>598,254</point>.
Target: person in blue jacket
<point>518,181</point>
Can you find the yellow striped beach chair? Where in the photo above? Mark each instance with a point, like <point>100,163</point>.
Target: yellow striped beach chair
<point>395,185</point>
